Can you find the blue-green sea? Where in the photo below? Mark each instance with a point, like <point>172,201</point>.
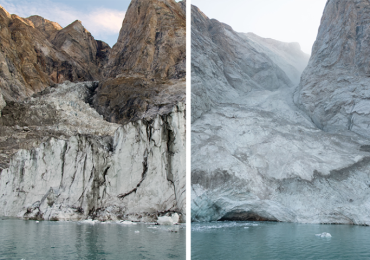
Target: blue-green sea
<point>20,239</point>
<point>270,240</point>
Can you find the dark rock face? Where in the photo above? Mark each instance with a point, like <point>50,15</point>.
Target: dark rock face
<point>102,53</point>
<point>121,100</point>
<point>48,28</point>
<point>81,46</point>
<point>335,86</point>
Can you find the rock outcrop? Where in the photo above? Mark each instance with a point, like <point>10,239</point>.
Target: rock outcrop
<point>227,64</point>
<point>151,42</point>
<point>147,63</point>
<point>335,87</point>
<point>63,155</point>
<point>48,28</point>
<point>255,154</point>
<point>36,53</point>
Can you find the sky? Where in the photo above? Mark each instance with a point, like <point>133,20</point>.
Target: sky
<point>283,20</point>
<point>102,18</point>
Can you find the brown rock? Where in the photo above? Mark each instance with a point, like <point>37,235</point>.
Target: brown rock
<point>145,63</point>
<point>142,75</point>
<point>36,53</point>
<point>151,42</point>
<point>78,43</point>
<point>102,53</point>
<point>49,28</point>
<point>125,99</point>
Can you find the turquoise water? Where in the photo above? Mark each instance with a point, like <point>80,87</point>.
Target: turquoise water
<point>73,240</point>
<point>267,240</point>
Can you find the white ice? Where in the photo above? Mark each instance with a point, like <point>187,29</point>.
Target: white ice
<point>324,234</point>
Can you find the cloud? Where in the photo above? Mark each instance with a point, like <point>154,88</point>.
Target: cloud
<point>101,22</point>
<point>105,21</point>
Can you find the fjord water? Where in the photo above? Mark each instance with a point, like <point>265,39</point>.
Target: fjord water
<point>270,240</point>
<point>27,240</point>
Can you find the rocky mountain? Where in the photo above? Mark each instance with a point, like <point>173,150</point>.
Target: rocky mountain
<point>227,64</point>
<point>334,90</point>
<point>149,55</point>
<point>36,53</point>
<point>83,132</point>
<point>255,154</point>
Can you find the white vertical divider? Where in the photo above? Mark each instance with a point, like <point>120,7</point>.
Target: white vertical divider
<point>188,129</point>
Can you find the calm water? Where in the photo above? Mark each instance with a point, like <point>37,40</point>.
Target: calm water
<point>266,240</point>
<point>72,240</point>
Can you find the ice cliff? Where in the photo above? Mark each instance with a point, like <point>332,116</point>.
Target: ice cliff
<point>255,154</point>
<point>87,131</point>
<point>134,174</point>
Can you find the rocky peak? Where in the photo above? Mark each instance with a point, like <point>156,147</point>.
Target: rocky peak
<point>36,53</point>
<point>343,36</point>
<point>151,42</point>
<point>77,26</point>
<point>17,19</point>
<point>334,90</point>
<point>4,13</point>
<point>49,28</point>
<point>287,55</point>
<point>136,76</point>
<point>145,74</point>
<point>227,65</point>
<point>80,45</point>
<point>102,53</point>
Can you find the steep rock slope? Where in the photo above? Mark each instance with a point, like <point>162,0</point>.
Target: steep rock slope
<point>259,157</point>
<point>62,160</point>
<point>335,87</point>
<point>227,64</point>
<point>147,63</point>
<point>48,28</point>
<point>151,41</point>
<point>36,53</point>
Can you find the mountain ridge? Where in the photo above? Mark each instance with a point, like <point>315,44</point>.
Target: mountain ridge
<point>69,150</point>
<point>256,155</point>
<point>229,49</point>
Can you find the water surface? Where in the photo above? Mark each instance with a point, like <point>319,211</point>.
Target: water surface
<point>269,240</point>
<point>20,239</point>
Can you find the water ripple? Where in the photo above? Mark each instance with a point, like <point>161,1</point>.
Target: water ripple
<point>71,240</point>
<point>269,240</point>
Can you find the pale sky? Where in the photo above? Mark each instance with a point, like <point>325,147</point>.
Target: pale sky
<point>283,20</point>
<point>103,18</point>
